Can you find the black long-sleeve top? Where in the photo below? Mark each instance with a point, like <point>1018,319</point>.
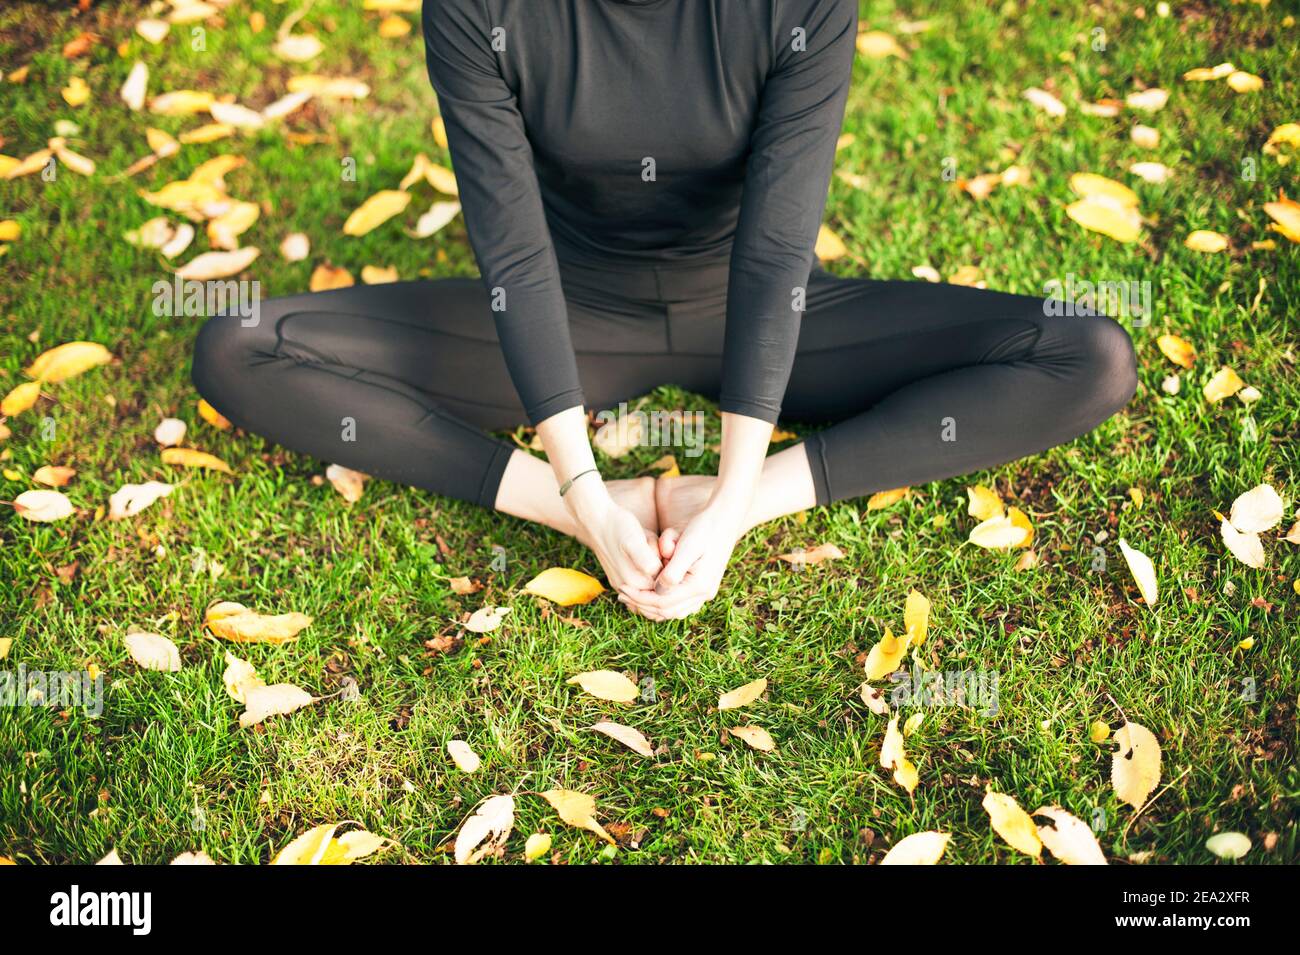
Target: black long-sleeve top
<point>643,131</point>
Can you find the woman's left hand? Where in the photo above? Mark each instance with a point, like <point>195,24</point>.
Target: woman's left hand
<point>692,577</point>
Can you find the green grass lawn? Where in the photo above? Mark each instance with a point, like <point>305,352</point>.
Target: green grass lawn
<point>165,768</point>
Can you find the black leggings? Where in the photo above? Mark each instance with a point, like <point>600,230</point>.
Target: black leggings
<point>921,381</point>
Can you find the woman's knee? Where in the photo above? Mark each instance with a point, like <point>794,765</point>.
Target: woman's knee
<point>1110,363</point>
<point>224,349</point>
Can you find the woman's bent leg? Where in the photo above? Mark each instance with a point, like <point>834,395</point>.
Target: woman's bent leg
<point>397,381</point>
<point>933,381</point>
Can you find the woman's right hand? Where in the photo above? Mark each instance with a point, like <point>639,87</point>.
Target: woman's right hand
<point>627,551</point>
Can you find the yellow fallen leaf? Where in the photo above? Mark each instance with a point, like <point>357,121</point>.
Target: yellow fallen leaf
<point>441,179</point>
<point>32,163</point>
<point>1224,384</point>
<point>438,216</point>
<point>1204,240</point>
<point>1002,532</point>
<point>320,846</point>
<point>235,622</point>
<point>225,229</point>
<point>1045,101</point>
<point>969,276</point>
<point>376,210</point>
<point>297,47</point>
<point>742,696</point>
<point>1088,184</point>
<point>212,416</point>
<point>20,398</point>
<point>892,757</point>
<point>1135,765</point>
<point>278,699</point>
<point>576,809</point>
<point>1019,519</point>
<point>377,275</point>
<point>486,830</point>
<point>190,458</point>
<point>886,656</point>
<point>1285,213</point>
<point>874,699</point>
<point>1144,136</point>
<point>43,507</point>
<point>1107,215</point>
<point>326,277</point>
<point>76,92</point>
<point>1258,510</point>
<point>755,736</point>
<point>218,265</point>
<point>1242,82</point>
<point>1228,845</point>
<point>536,846</point>
<point>565,587</point>
<point>883,499</point>
<point>1287,134</point>
<point>606,685</point>
<point>916,617</point>
<point>1178,350</point>
<point>1098,732</point>
<point>984,503</point>
<point>439,129</point>
<point>920,848</point>
<point>54,475</point>
<point>350,484</point>
<point>336,87</point>
<point>419,167</point>
<point>239,677</point>
<point>486,619</point>
<point>815,556</point>
<point>1152,172</point>
<point>633,739</point>
<point>1012,823</point>
<point>876,45</point>
<point>829,246</point>
<point>1149,101</point>
<point>153,30</point>
<point>10,230</point>
<point>151,651</point>
<point>181,103</point>
<point>5,644</point>
<point>1203,74</point>
<point>67,361</point>
<point>1143,571</point>
<point>1069,838</point>
<point>131,499</point>
<point>207,133</point>
<point>463,755</point>
<point>1246,547</point>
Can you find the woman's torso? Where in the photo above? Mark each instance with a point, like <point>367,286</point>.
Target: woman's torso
<point>639,114</point>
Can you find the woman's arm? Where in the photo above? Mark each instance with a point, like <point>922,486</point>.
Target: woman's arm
<point>503,206</point>
<point>792,155</point>
<point>630,559</point>
<point>512,243</point>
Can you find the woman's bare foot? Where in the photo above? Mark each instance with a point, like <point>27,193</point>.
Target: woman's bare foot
<point>786,487</point>
<point>638,496</point>
<point>677,500</point>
